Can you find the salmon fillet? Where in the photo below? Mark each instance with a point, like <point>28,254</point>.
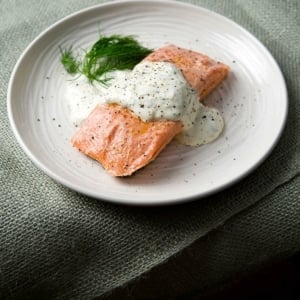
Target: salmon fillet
<point>202,72</point>
<point>120,140</point>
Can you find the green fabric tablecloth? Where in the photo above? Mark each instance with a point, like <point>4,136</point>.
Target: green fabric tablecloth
<point>57,244</point>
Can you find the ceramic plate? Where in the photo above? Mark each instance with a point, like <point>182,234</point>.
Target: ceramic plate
<point>253,101</point>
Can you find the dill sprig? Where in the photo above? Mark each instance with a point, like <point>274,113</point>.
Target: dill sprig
<point>69,61</point>
<point>109,53</point>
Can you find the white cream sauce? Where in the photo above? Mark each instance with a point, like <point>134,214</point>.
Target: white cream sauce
<point>156,91</point>
<point>208,125</point>
<point>82,97</point>
<point>153,91</point>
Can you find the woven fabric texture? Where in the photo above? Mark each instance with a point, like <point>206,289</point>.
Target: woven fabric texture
<point>57,244</point>
<point>243,245</point>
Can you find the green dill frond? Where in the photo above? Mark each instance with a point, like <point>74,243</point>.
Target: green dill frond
<point>70,63</point>
<point>109,53</point>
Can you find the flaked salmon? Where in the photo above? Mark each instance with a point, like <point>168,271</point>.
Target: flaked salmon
<point>120,140</point>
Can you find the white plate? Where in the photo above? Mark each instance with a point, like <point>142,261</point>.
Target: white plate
<point>253,101</point>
